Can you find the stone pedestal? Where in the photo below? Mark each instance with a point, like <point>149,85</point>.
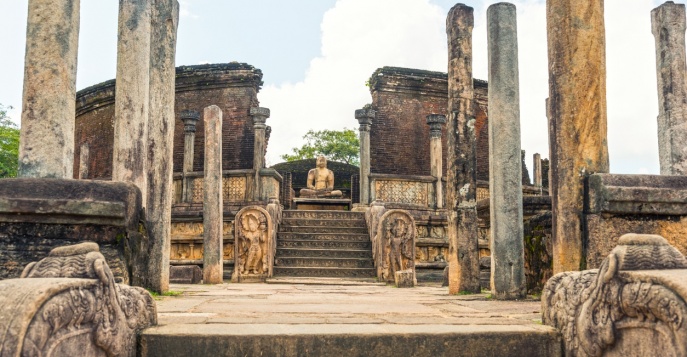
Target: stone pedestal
<point>165,18</point>
<point>505,168</point>
<point>365,117</point>
<point>668,27</point>
<point>132,95</point>
<point>405,279</point>
<point>212,197</point>
<point>461,185</point>
<point>46,148</point>
<point>259,115</point>
<point>577,104</point>
<point>435,122</point>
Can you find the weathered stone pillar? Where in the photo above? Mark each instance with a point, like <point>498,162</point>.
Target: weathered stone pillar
<point>365,117</point>
<point>668,27</point>
<point>84,156</point>
<point>212,197</point>
<point>505,168</point>
<point>460,174</point>
<point>536,164</point>
<point>190,119</point>
<point>165,18</point>
<point>435,122</point>
<point>46,147</point>
<point>577,102</point>
<point>260,116</point>
<point>132,95</point>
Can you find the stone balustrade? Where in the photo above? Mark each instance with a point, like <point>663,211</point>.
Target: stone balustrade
<point>237,186</point>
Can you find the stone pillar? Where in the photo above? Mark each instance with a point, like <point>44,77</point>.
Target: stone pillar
<point>132,95</point>
<point>260,116</point>
<point>668,27</point>
<point>212,197</point>
<point>435,122</point>
<point>505,168</point>
<point>577,104</point>
<point>536,163</point>
<point>365,117</point>
<point>46,146</point>
<point>190,119</point>
<point>460,172</point>
<point>84,156</point>
<point>165,18</point>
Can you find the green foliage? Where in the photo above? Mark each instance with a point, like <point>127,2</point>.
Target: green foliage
<point>335,145</point>
<point>9,145</point>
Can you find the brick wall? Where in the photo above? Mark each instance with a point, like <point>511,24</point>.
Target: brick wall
<point>231,86</point>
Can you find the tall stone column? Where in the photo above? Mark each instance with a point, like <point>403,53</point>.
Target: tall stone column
<point>537,175</point>
<point>132,95</point>
<point>577,104</point>
<point>668,27</point>
<point>365,117</point>
<point>460,172</point>
<point>165,18</point>
<point>505,168</point>
<point>435,122</point>
<point>212,197</point>
<point>190,119</point>
<point>260,116</point>
<point>46,145</point>
<point>84,156</point>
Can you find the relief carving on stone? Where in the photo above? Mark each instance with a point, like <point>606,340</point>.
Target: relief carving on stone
<point>395,244</point>
<point>252,245</point>
<point>633,305</point>
<point>87,314</point>
<point>409,192</point>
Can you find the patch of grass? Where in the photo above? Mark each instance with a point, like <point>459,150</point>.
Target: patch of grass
<point>158,296</point>
<point>488,296</point>
<point>464,293</point>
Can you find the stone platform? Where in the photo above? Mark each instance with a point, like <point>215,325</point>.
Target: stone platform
<point>324,204</point>
<point>358,319</point>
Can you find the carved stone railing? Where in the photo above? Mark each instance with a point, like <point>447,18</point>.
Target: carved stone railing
<point>68,304</point>
<point>483,190</point>
<point>419,191</point>
<point>237,186</point>
<point>634,305</point>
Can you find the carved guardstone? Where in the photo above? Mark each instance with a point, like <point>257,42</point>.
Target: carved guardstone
<point>634,305</point>
<point>68,304</point>
<point>395,245</point>
<point>253,253</point>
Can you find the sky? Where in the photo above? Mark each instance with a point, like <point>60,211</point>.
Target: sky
<point>316,56</point>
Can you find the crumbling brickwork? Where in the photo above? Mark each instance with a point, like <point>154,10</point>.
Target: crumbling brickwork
<point>231,86</point>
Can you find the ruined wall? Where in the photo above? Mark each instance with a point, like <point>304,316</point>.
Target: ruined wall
<point>399,136</point>
<point>231,86</point>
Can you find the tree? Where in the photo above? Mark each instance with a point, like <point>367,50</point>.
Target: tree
<point>336,145</point>
<point>9,144</point>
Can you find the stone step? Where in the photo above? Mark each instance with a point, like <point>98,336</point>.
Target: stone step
<point>306,214</point>
<point>324,253</point>
<point>325,281</point>
<point>322,272</point>
<point>322,229</point>
<point>335,237</point>
<point>336,263</point>
<point>313,244</point>
<point>379,340</point>
<point>342,223</point>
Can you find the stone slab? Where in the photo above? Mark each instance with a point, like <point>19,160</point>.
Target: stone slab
<point>185,274</point>
<point>324,204</point>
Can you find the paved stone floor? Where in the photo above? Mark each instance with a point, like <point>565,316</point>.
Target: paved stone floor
<point>291,303</point>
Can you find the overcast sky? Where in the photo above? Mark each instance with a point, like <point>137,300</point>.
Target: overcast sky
<point>316,56</point>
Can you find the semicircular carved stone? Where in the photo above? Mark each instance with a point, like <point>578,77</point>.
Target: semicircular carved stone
<point>253,253</point>
<point>634,305</point>
<point>86,314</point>
<point>395,244</point>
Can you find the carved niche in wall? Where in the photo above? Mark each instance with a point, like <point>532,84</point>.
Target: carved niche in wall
<point>252,245</point>
<point>396,243</point>
<point>634,305</point>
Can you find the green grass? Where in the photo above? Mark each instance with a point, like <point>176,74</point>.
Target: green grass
<point>158,296</point>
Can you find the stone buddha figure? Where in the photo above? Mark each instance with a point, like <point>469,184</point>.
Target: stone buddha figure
<point>320,181</point>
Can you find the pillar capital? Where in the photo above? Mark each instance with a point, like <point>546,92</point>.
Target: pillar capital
<point>260,116</point>
<point>435,122</point>
<point>190,119</point>
<point>365,117</point>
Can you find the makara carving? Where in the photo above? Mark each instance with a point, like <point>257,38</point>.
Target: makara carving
<point>253,245</point>
<point>395,244</point>
<point>633,305</point>
<point>86,314</point>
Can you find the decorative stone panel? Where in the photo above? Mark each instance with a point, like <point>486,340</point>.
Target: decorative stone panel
<point>253,249</point>
<point>234,189</point>
<point>409,192</point>
<point>395,244</point>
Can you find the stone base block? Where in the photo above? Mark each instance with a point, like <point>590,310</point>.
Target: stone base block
<point>405,278</point>
<point>322,204</point>
<point>185,274</point>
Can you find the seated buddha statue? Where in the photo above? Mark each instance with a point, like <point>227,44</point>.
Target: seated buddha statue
<point>320,182</point>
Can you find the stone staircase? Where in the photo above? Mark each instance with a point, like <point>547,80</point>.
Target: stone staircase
<point>323,244</point>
